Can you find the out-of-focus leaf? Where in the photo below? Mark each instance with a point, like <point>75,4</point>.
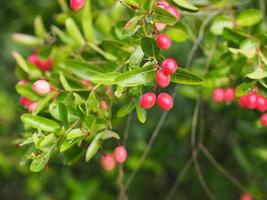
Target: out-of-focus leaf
<point>249,17</point>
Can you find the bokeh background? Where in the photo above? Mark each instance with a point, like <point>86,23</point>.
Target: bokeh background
<point>230,135</point>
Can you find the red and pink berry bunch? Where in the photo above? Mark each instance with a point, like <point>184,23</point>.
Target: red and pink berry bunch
<point>220,95</point>
<point>43,65</point>
<point>108,161</point>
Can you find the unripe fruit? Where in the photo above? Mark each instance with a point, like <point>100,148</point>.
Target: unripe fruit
<point>77,4</point>
<point>87,84</point>
<point>252,100</point>
<point>162,79</point>
<point>41,87</point>
<point>104,105</point>
<point>32,107</point>
<point>173,11</point>
<point>148,100</point>
<point>46,65</point>
<point>25,102</point>
<point>120,154</point>
<point>163,41</point>
<point>34,59</point>
<point>108,162</point>
<point>162,4</point>
<point>243,101</point>
<point>263,120</point>
<point>246,196</point>
<point>229,94</point>
<point>165,101</point>
<point>261,104</point>
<point>218,95</point>
<point>169,66</point>
<point>22,82</point>
<point>160,26</point>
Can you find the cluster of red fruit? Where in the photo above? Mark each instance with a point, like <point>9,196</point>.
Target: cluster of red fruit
<point>43,65</point>
<point>251,101</point>
<point>108,161</point>
<point>163,74</point>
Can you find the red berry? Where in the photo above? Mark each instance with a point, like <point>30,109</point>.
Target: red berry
<point>108,162</point>
<point>246,196</point>
<point>32,107</point>
<point>163,41</point>
<point>169,66</point>
<point>148,100</point>
<point>263,119</point>
<point>218,95</point>
<point>46,65</point>
<point>243,101</point>
<point>25,102</point>
<point>162,79</point>
<point>34,59</point>
<point>41,87</point>
<point>173,11</point>
<point>229,94</point>
<point>120,154</point>
<point>162,4</point>
<point>165,101</point>
<point>261,104</point>
<point>252,100</point>
<point>77,4</point>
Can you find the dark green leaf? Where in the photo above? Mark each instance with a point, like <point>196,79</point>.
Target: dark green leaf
<point>150,47</point>
<point>183,76</point>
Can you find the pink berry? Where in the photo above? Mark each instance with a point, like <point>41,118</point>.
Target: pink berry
<point>46,65</point>
<point>165,101</point>
<point>169,66</point>
<point>162,79</point>
<point>25,102</point>
<point>41,87</point>
<point>32,107</point>
<point>34,59</point>
<point>87,84</point>
<point>104,105</point>
<point>108,162</point>
<point>243,101</point>
<point>120,154</point>
<point>263,120</point>
<point>218,95</point>
<point>148,100</point>
<point>252,100</point>
<point>246,196</point>
<point>261,104</point>
<point>163,41</point>
<point>173,11</point>
<point>162,4</point>
<point>229,95</point>
<point>77,4</point>
<point>22,82</point>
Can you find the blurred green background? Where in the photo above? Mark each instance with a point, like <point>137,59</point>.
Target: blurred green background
<point>230,135</point>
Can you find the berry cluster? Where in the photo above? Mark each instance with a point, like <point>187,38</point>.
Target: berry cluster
<point>220,95</point>
<point>108,161</point>
<point>43,65</point>
<point>168,67</point>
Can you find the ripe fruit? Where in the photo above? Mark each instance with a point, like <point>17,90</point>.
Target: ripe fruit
<point>261,104</point>
<point>45,65</point>
<point>162,79</point>
<point>229,94</point>
<point>25,102</point>
<point>218,95</point>
<point>34,59</point>
<point>162,4</point>
<point>41,87</point>
<point>108,162</point>
<point>77,4</point>
<point>263,119</point>
<point>243,101</point>
<point>120,154</point>
<point>169,66</point>
<point>163,41</point>
<point>32,107</point>
<point>173,11</point>
<point>148,100</point>
<point>104,105</point>
<point>246,196</point>
<point>252,100</point>
<point>165,101</point>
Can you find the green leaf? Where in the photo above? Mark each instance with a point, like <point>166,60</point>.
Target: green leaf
<point>60,112</point>
<point>249,17</point>
<point>74,134</point>
<point>149,47</point>
<point>163,16</point>
<point>43,103</point>
<point>48,140</point>
<point>141,113</point>
<point>64,82</point>
<point>244,88</point>
<point>74,32</point>
<point>93,101</point>
<point>39,27</point>
<point>136,57</point>
<point>39,162</point>
<point>97,142</point>
<point>258,74</point>
<point>87,22</point>
<point>183,76</point>
<point>221,22</point>
<point>27,91</point>
<point>234,35</point>
<point>178,33</point>
<point>40,123</point>
<point>141,76</point>
<point>90,122</point>
<point>147,5</point>
<point>126,109</point>
<point>66,145</point>
<point>185,5</point>
<point>132,3</point>
<point>105,79</point>
<point>27,40</point>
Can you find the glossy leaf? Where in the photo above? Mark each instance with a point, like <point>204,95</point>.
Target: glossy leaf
<point>183,76</point>
<point>184,4</point>
<point>249,17</point>
<point>149,46</point>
